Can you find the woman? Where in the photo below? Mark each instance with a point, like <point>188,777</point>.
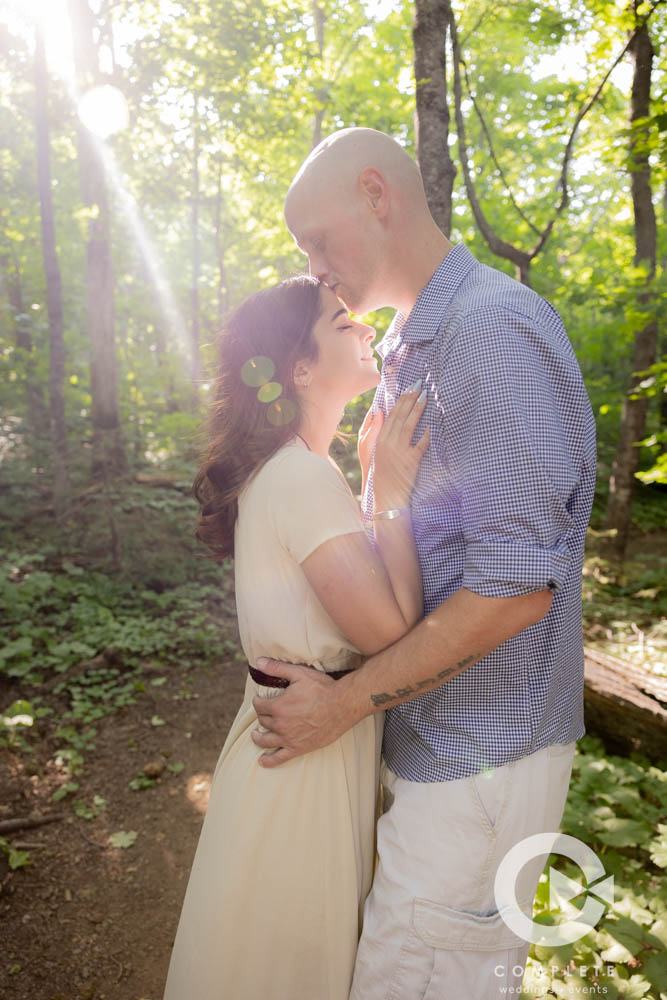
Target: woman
<point>285,856</point>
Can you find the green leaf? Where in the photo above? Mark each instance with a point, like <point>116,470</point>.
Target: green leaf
<point>140,782</point>
<point>658,847</point>
<point>17,859</point>
<point>19,713</point>
<point>17,647</point>
<point>60,793</point>
<point>621,832</point>
<point>123,838</point>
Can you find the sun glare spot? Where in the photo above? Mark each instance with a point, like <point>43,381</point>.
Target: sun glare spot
<point>103,110</point>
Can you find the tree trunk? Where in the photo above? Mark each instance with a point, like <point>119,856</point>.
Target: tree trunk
<point>53,284</point>
<point>196,258</point>
<point>321,92</point>
<point>219,238</point>
<point>663,351</point>
<point>37,416</point>
<point>633,416</point>
<point>437,168</point>
<point>108,447</point>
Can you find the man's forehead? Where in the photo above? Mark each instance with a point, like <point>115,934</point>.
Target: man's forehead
<point>305,217</point>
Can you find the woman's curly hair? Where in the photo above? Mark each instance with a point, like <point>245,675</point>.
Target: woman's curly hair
<point>255,407</point>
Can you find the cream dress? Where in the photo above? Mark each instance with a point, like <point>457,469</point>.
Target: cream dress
<point>273,906</point>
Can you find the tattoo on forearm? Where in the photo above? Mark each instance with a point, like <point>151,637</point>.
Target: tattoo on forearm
<point>404,693</point>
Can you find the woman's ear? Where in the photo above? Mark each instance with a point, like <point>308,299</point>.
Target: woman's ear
<point>301,374</point>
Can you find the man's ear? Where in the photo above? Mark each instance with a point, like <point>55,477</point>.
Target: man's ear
<point>373,187</point>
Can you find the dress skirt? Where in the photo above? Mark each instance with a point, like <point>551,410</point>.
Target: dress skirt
<point>284,862</point>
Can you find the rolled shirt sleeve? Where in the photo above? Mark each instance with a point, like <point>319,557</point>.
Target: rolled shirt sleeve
<point>505,444</point>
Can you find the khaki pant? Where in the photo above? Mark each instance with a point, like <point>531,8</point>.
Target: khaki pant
<point>431,927</point>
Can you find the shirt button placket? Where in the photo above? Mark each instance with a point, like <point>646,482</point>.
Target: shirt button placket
<point>389,378</point>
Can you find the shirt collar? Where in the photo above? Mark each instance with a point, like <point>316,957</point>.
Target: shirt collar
<point>432,302</point>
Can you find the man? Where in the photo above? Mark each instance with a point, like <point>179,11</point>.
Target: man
<point>485,695</point>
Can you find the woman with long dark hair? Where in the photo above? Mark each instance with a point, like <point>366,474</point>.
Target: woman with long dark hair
<point>285,857</point>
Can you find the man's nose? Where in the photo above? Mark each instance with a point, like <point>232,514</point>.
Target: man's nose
<point>317,267</point>
<point>367,333</point>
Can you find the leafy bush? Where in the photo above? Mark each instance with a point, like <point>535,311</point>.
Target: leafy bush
<point>618,807</point>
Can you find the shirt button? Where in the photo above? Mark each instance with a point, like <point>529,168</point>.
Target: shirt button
<point>388,368</point>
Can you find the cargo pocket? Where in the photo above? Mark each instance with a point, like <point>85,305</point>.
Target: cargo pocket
<point>421,967</point>
<point>440,926</point>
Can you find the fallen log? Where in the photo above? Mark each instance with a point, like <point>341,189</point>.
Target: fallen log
<point>625,705</point>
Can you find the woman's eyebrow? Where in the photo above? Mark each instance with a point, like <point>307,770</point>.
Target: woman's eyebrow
<point>340,312</point>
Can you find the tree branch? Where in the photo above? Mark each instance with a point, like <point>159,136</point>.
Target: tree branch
<point>520,258</point>
<point>27,822</point>
<point>498,246</point>
<point>493,153</point>
<point>567,155</point>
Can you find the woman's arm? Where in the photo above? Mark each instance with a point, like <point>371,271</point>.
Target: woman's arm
<point>375,595</point>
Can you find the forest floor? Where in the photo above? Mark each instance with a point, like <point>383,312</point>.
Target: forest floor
<point>89,921</point>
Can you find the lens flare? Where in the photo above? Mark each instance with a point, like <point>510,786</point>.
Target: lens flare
<point>258,371</point>
<point>269,391</point>
<point>281,413</point>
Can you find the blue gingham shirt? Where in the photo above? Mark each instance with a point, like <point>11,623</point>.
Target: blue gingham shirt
<point>500,507</point>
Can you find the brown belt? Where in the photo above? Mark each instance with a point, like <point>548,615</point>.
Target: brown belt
<point>268,680</point>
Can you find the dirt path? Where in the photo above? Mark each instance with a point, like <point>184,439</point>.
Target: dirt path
<point>85,920</point>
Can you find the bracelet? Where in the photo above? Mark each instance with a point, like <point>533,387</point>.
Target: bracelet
<point>389,515</point>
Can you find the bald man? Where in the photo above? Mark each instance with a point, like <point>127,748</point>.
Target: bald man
<point>484,697</point>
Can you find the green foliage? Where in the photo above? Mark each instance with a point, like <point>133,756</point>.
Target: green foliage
<point>60,793</point>
<point>89,812</point>
<point>15,858</point>
<point>653,384</point>
<point>123,838</point>
<point>18,715</point>
<point>141,782</point>
<point>57,618</point>
<point>626,615</point>
<point>618,807</point>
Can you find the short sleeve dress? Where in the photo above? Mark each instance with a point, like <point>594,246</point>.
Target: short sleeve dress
<point>285,857</point>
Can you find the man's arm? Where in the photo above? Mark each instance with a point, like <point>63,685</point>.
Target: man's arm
<point>315,710</point>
